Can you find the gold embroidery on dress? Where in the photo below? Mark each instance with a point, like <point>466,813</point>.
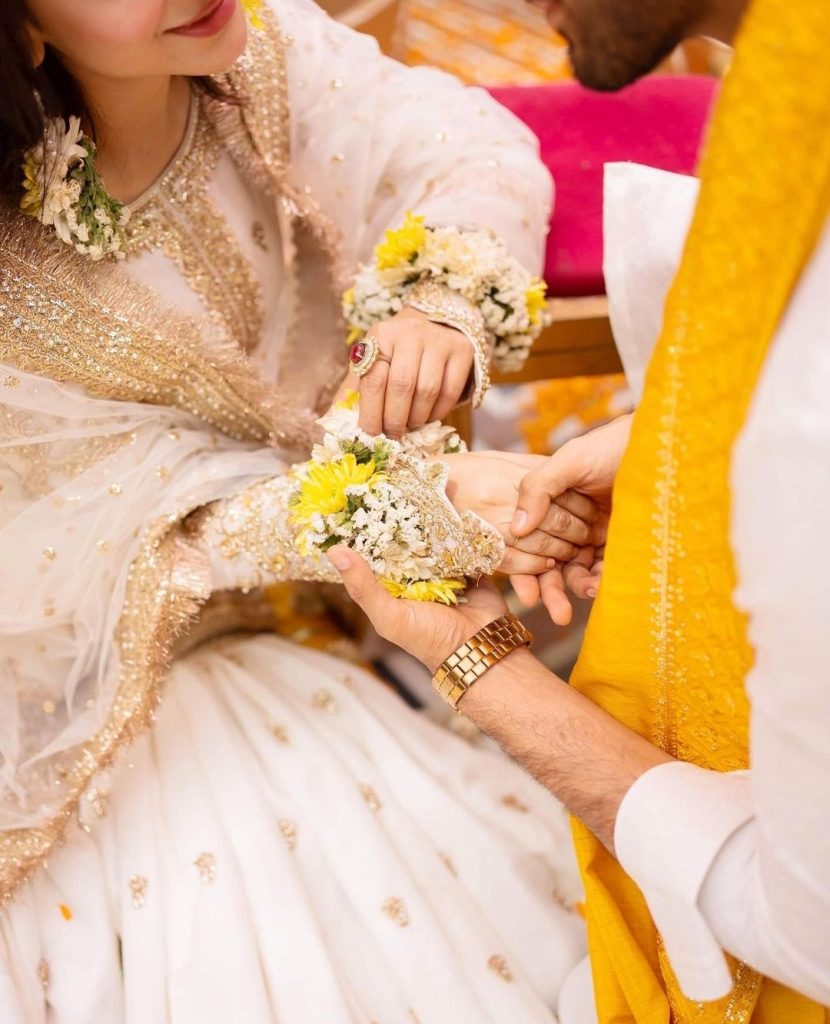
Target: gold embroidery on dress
<point>179,217</point>
<point>166,584</point>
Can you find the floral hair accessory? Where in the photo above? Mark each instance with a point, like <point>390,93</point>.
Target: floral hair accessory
<point>474,265</point>
<point>252,9</point>
<point>382,500</point>
<point>63,190</point>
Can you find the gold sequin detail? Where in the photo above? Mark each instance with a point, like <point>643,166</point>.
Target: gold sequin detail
<point>98,800</point>
<point>323,700</point>
<point>289,832</point>
<point>253,530</point>
<point>448,863</point>
<point>280,733</point>
<point>50,554</point>
<point>11,382</point>
<point>138,891</point>
<point>180,218</point>
<point>44,973</point>
<point>371,797</point>
<point>498,965</point>
<point>259,237</point>
<point>206,866</point>
<point>395,909</point>
<point>514,803</point>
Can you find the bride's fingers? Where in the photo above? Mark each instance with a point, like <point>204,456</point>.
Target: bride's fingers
<point>428,388</point>
<point>525,565</point>
<point>400,387</point>
<point>554,598</point>
<point>372,398</point>
<point>527,588</point>
<point>581,579</point>
<point>456,374</point>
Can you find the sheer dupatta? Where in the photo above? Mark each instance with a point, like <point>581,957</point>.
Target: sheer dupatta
<point>120,417</point>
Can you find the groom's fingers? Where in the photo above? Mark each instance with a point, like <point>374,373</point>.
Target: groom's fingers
<point>364,589</point>
<point>539,487</point>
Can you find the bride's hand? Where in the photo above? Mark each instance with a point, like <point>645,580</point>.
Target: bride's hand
<point>488,483</point>
<point>428,370</point>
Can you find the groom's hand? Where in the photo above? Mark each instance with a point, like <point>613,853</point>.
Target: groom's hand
<point>429,632</point>
<point>487,483</point>
<point>587,465</point>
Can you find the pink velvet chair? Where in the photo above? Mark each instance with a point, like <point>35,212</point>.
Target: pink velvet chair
<point>658,121</point>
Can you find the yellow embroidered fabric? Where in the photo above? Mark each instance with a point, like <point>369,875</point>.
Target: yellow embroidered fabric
<point>666,651</point>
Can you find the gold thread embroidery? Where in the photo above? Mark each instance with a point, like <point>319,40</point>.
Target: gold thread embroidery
<point>138,891</point>
<point>396,911</point>
<point>205,864</point>
<point>180,218</point>
<point>498,965</point>
<point>166,584</point>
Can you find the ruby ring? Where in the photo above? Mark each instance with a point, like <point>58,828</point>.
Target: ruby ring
<point>364,354</point>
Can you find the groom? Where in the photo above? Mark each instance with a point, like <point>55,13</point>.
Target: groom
<point>686,855</point>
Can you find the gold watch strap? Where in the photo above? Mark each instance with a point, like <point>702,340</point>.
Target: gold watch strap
<point>480,653</point>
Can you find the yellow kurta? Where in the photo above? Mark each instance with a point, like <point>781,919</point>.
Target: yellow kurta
<point>666,651</point>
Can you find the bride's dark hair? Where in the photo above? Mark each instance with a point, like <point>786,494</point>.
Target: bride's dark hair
<point>21,116</point>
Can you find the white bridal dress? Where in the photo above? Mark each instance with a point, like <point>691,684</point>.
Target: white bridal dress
<point>286,841</point>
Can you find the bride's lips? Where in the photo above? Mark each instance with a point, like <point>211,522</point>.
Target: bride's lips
<point>213,17</point>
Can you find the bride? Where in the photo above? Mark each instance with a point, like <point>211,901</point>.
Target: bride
<point>201,821</point>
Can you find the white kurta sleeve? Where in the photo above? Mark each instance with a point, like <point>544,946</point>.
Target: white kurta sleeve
<point>373,139</point>
<point>741,862</point>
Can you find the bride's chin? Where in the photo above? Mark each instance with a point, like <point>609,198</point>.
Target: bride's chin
<point>220,54</point>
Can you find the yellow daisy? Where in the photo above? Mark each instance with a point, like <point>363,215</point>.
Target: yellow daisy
<point>31,201</point>
<point>401,245</point>
<point>443,591</point>
<point>350,400</point>
<point>323,489</point>
<point>252,9</point>
<point>536,300</point>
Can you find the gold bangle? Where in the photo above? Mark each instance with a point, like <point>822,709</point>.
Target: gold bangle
<point>481,652</point>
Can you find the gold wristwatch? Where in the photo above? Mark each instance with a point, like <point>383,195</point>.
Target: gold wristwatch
<point>480,653</point>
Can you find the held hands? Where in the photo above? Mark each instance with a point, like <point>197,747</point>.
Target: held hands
<point>420,375</point>
<point>488,483</point>
<point>587,465</point>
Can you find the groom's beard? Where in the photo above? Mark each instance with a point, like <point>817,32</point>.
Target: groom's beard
<point>614,42</point>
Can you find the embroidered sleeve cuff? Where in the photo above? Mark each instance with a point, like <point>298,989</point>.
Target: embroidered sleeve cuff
<point>670,827</point>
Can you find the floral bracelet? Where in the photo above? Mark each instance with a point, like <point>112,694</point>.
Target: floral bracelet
<point>475,265</point>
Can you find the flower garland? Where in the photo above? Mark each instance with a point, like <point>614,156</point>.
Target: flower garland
<point>473,264</point>
<point>252,9</point>
<point>382,500</point>
<point>63,190</point>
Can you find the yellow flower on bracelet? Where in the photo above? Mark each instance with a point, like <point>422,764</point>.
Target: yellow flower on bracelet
<point>443,591</point>
<point>323,488</point>
<point>400,246</point>
<point>536,299</point>
<point>252,9</point>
